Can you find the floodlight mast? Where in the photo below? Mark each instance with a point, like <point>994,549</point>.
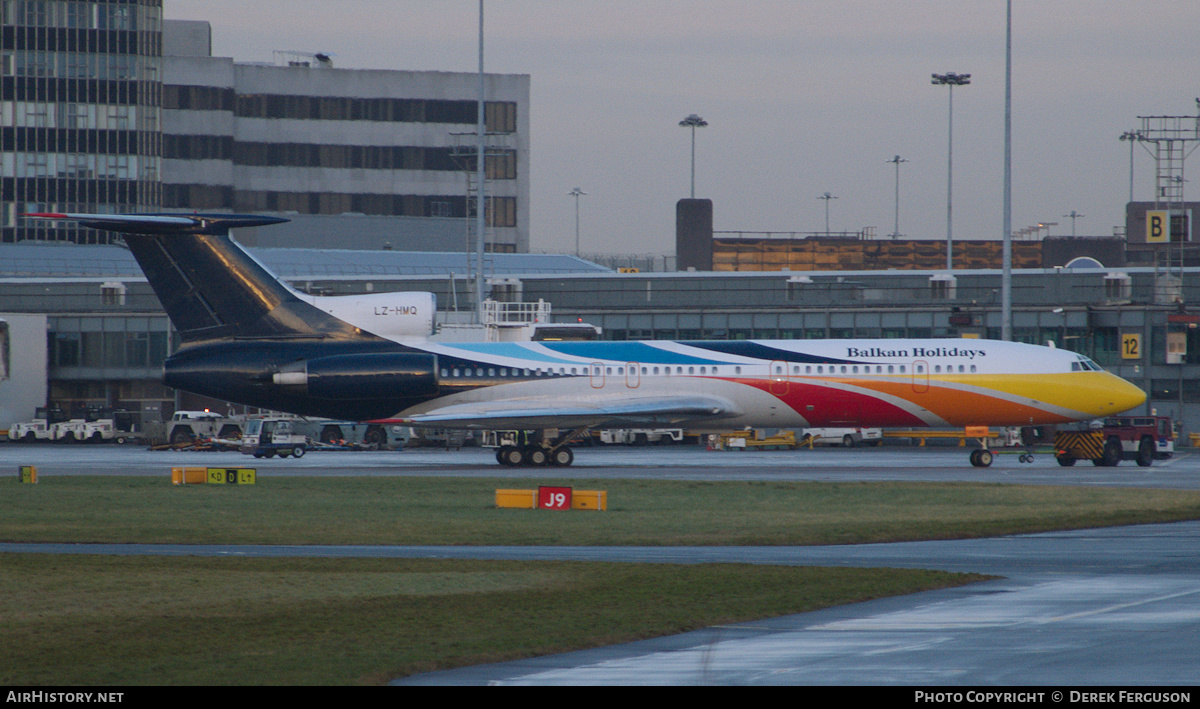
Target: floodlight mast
<point>950,79</point>
<point>576,193</point>
<point>896,228</point>
<point>827,196</point>
<point>693,121</point>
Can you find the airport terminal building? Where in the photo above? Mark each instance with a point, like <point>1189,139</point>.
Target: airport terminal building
<point>83,327</point>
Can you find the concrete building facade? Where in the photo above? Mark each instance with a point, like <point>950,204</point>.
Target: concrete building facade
<point>80,112</point>
<point>104,107</point>
<point>304,137</point>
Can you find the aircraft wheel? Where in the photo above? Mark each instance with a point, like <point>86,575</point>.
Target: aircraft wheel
<point>536,456</point>
<point>985,458</point>
<point>562,457</point>
<point>511,456</point>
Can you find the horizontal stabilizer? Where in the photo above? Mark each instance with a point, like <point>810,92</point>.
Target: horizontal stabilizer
<point>162,223</point>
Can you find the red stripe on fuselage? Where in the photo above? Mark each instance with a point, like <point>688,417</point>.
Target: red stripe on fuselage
<point>830,406</point>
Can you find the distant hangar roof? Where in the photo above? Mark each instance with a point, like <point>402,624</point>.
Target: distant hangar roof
<point>41,260</point>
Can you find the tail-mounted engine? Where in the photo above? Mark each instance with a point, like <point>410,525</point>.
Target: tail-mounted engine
<point>355,377</point>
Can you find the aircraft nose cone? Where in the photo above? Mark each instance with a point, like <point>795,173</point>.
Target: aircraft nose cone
<point>1123,396</point>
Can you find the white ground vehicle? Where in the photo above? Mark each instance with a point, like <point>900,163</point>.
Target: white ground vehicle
<point>39,428</point>
<point>187,426</point>
<point>100,426</point>
<point>354,433</point>
<point>265,437</point>
<point>846,437</point>
<point>641,436</point>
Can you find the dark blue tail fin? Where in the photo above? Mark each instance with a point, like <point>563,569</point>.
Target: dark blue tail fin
<point>209,285</point>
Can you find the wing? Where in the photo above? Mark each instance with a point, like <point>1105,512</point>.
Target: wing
<point>545,412</point>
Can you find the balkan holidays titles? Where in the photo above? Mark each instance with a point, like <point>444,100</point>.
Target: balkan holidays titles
<point>917,352</point>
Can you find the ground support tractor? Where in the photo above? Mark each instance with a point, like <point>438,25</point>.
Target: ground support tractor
<point>39,428</point>
<point>1140,438</point>
<point>266,437</point>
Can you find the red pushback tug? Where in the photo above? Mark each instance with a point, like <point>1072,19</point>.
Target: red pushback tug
<point>1140,438</point>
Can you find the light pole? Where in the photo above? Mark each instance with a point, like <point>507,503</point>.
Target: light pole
<point>826,197</point>
<point>950,79</point>
<point>693,121</point>
<point>1073,216</point>
<point>1006,257</point>
<point>1132,136</point>
<point>480,177</point>
<point>896,230</point>
<point>576,193</point>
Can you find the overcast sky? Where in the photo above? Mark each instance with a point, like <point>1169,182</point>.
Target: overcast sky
<point>802,97</point>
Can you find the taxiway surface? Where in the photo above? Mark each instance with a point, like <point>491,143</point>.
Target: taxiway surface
<point>1116,607</point>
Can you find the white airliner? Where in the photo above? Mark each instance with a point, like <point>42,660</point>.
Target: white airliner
<point>250,339</point>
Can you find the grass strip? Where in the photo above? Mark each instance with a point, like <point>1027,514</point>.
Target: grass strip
<point>461,511</point>
<point>92,620</point>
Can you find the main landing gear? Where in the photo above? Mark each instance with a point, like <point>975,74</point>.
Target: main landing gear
<point>535,455</point>
<point>982,458</point>
<point>537,451</point>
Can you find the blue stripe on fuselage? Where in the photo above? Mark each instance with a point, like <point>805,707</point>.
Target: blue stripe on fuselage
<point>582,352</point>
<point>756,350</point>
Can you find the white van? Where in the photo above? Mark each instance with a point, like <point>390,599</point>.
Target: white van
<point>846,437</point>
